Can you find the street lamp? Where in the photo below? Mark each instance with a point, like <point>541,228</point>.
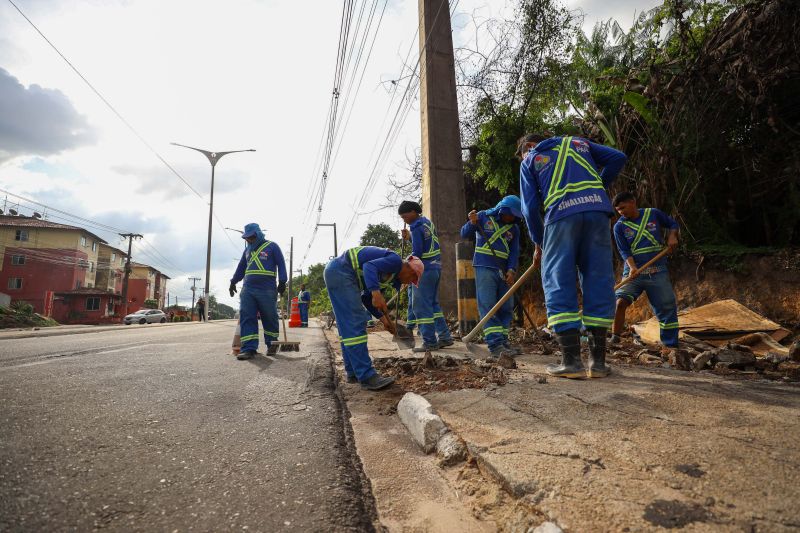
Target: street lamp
<point>335,244</point>
<point>213,157</point>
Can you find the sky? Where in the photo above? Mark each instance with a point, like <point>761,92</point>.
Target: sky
<point>230,75</point>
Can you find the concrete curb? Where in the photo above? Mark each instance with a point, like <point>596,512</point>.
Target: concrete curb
<point>429,430</point>
<point>54,332</point>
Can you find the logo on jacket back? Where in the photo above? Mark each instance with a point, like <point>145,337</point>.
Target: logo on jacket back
<point>540,161</point>
<point>629,233</point>
<point>652,227</point>
<point>580,145</point>
<point>263,254</point>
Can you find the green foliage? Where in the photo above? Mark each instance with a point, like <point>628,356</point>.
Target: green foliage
<point>315,284</point>
<point>381,235</point>
<point>218,310</point>
<point>22,307</point>
<point>20,315</point>
<point>150,304</point>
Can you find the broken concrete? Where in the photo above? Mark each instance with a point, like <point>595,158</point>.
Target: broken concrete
<point>450,450</point>
<point>548,527</point>
<point>735,358</point>
<point>701,360</point>
<point>425,426</point>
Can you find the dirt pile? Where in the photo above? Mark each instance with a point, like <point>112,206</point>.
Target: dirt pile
<point>23,317</point>
<point>438,373</point>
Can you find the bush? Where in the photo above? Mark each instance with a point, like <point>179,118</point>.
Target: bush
<point>21,306</point>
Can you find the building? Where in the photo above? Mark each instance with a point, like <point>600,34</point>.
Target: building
<point>71,274</point>
<point>146,283</point>
<point>39,258</point>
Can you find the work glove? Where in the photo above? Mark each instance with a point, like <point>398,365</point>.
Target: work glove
<point>281,287</point>
<point>232,289</point>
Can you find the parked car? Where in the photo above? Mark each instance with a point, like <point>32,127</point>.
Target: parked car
<point>145,316</point>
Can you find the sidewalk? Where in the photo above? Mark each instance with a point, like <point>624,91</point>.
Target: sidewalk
<point>642,450</point>
<point>77,329</point>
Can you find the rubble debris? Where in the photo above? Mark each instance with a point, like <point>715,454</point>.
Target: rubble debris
<point>734,358</point>
<point>548,527</point>
<point>450,450</point>
<point>794,351</point>
<point>446,373</point>
<point>716,322</point>
<point>680,359</point>
<point>418,416</point>
<point>701,360</point>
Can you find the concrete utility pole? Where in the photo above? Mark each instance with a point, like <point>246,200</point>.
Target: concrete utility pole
<point>213,158</point>
<point>194,288</point>
<point>443,198</point>
<point>130,237</point>
<point>335,241</point>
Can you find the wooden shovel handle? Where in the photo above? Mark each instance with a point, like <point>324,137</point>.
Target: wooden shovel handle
<point>623,281</point>
<point>522,279</point>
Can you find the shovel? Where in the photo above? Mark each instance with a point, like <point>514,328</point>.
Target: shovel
<point>402,337</point>
<point>661,254</point>
<point>478,349</point>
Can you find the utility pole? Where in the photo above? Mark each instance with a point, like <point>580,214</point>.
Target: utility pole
<point>213,157</point>
<point>130,237</point>
<point>194,288</point>
<point>335,242</point>
<point>443,199</point>
<point>291,266</point>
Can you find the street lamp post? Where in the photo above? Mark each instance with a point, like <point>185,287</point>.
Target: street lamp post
<point>213,157</point>
<point>335,243</point>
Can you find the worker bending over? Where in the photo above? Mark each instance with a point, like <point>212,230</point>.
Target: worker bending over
<point>560,175</point>
<point>496,236</point>
<point>424,301</point>
<point>355,281</point>
<point>640,237</point>
<point>303,303</point>
<point>258,265</point>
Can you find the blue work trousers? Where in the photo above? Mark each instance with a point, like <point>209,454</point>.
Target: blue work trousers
<point>662,301</point>
<point>578,244</point>
<point>490,286</point>
<point>303,307</point>
<point>351,319</point>
<point>427,312</point>
<point>252,302</point>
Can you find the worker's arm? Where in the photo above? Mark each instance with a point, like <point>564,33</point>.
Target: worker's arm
<point>418,241</point>
<point>280,263</point>
<point>366,299</point>
<point>531,201</point>
<point>468,231</point>
<point>610,159</point>
<point>388,264</point>
<point>672,227</point>
<point>239,274</point>
<point>623,247</point>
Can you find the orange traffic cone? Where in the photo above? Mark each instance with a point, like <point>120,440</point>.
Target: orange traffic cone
<point>294,318</point>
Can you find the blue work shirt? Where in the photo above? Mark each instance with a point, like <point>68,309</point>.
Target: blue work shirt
<point>648,240</point>
<point>425,243</point>
<point>375,268</point>
<point>258,265</point>
<point>505,245</point>
<point>560,174</point>
<point>303,297</point>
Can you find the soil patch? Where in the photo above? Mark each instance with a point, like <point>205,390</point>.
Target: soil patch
<point>441,373</point>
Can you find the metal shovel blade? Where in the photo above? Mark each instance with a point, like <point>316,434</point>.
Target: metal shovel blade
<point>481,351</point>
<point>404,338</point>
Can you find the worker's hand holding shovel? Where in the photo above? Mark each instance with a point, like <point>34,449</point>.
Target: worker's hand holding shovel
<point>388,324</point>
<point>473,217</point>
<point>406,234</point>
<point>379,302</point>
<point>511,277</point>
<point>537,257</point>
<point>672,241</point>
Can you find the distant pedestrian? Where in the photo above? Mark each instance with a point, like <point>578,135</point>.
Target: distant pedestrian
<point>562,176</point>
<point>201,309</point>
<point>261,263</point>
<point>303,303</point>
<point>424,302</point>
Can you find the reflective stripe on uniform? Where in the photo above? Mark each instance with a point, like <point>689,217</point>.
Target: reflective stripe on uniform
<point>272,334</point>
<point>433,251</point>
<point>352,341</point>
<point>668,325</point>
<point>486,247</point>
<point>560,318</point>
<point>556,191</point>
<point>438,315</point>
<point>259,269</point>
<point>643,233</point>
<point>249,337</point>
<point>597,321</point>
<point>493,329</point>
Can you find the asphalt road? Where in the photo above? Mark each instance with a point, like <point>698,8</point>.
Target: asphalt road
<point>160,429</point>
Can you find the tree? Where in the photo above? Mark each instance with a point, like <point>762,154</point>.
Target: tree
<point>381,235</point>
<point>217,310</point>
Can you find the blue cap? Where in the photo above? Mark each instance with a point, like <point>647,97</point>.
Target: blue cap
<point>251,230</point>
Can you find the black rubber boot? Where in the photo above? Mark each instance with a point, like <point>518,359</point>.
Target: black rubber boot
<point>597,367</point>
<point>272,349</point>
<point>571,365</point>
<point>377,382</point>
<point>247,354</point>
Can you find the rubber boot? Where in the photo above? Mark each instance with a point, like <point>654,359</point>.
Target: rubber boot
<point>597,367</point>
<point>571,365</point>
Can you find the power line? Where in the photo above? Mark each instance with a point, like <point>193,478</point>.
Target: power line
<point>107,103</point>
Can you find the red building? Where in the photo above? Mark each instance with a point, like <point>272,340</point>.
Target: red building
<point>87,306</point>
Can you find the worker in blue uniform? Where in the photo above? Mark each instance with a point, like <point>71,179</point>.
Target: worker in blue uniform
<point>261,264</point>
<point>561,176</point>
<point>427,312</point>
<point>639,234</point>
<point>355,281</point>
<point>495,229</point>
<point>303,303</point>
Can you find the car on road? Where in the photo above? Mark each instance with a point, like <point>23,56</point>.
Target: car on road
<point>145,316</point>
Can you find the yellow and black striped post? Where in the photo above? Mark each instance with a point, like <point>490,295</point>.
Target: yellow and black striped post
<point>467,298</point>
